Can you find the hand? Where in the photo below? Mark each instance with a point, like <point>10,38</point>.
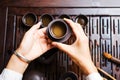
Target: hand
<point>79,50</point>
<point>34,43</point>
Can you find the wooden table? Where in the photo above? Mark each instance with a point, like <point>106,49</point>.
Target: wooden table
<point>103,30</point>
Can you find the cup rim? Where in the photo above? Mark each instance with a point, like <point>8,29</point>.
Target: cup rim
<point>63,38</point>
<point>29,13</point>
<point>64,15</point>
<point>69,73</point>
<point>55,21</point>
<point>83,17</point>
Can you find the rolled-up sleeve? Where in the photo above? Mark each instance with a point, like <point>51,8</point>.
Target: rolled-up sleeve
<point>94,76</point>
<point>10,75</point>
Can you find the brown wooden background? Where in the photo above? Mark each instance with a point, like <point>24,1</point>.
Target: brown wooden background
<point>103,30</point>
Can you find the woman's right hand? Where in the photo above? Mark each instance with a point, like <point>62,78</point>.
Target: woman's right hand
<point>79,50</point>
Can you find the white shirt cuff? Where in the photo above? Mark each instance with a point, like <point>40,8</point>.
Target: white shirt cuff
<point>94,76</point>
<point>8,74</point>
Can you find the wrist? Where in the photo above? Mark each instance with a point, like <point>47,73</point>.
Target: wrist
<point>89,68</point>
<point>21,50</point>
<point>21,57</point>
<point>94,76</point>
<point>16,64</point>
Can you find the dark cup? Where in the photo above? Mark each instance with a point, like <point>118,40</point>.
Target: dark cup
<point>58,30</point>
<point>64,16</point>
<point>33,75</point>
<point>46,19</point>
<point>82,20</point>
<point>48,56</point>
<point>69,76</point>
<point>29,19</point>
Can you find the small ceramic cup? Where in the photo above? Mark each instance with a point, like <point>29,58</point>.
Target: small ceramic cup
<point>48,56</point>
<point>69,76</point>
<point>64,16</point>
<point>46,19</point>
<point>58,30</point>
<point>82,20</point>
<point>29,19</point>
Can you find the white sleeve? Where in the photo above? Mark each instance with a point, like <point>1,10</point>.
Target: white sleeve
<point>94,76</point>
<point>10,75</point>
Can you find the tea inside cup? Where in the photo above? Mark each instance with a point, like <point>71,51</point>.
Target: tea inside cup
<point>29,19</point>
<point>46,19</point>
<point>58,29</point>
<point>82,20</point>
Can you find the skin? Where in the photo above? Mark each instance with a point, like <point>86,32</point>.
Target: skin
<point>79,51</point>
<point>35,43</point>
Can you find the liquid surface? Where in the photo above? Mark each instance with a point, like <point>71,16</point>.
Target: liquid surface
<point>81,21</point>
<point>58,30</point>
<point>46,20</point>
<point>30,20</point>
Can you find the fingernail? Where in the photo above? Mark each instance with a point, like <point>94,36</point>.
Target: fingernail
<point>64,18</point>
<point>40,22</point>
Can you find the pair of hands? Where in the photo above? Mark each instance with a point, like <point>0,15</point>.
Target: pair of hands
<point>35,43</point>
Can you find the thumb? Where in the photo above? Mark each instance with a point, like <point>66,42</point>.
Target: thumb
<point>61,46</point>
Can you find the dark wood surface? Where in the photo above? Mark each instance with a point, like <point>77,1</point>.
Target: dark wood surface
<point>103,30</point>
<point>60,3</point>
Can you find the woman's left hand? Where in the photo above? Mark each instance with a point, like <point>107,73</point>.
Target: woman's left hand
<point>34,43</point>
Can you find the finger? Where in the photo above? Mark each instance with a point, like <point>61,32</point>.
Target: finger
<point>71,23</point>
<point>50,46</point>
<point>80,29</point>
<point>73,26</point>
<point>77,28</point>
<point>61,46</point>
<point>43,30</point>
<point>49,40</point>
<point>36,26</point>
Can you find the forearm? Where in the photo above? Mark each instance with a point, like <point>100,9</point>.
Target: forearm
<point>16,64</point>
<point>92,73</point>
<point>89,68</point>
